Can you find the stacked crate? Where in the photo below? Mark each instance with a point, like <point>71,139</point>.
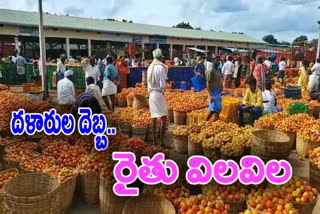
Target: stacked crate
<point>230,106</point>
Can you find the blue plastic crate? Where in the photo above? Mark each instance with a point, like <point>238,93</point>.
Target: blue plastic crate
<point>184,86</point>
<point>199,83</point>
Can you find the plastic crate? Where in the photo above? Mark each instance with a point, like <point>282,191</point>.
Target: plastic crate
<point>199,83</point>
<point>192,119</point>
<point>296,108</point>
<point>184,86</point>
<point>292,92</point>
<point>229,107</point>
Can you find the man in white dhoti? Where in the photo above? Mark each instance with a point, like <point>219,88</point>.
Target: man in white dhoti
<point>156,84</point>
<point>110,84</point>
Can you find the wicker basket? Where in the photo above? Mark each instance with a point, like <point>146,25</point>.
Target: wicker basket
<point>316,111</point>
<point>269,145</point>
<point>304,146</point>
<point>146,204</point>
<point>212,154</point>
<point>67,192</point>
<point>194,148</point>
<point>150,133</point>
<point>13,164</point>
<point>1,192</point>
<point>306,208</point>
<point>314,175</point>
<point>122,102</point>
<point>227,157</point>
<point>180,118</point>
<point>109,202</point>
<point>32,193</point>
<point>140,102</point>
<point>236,206</point>
<point>180,144</point>
<point>140,132</point>
<point>130,101</point>
<point>292,136</point>
<point>125,128</point>
<point>89,184</point>
<point>171,117</point>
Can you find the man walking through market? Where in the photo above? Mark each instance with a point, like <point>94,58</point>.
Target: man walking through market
<point>214,87</point>
<point>21,70</point>
<point>228,70</point>
<point>156,85</point>
<point>111,81</point>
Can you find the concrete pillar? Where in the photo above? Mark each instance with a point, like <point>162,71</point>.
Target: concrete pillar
<point>183,47</point>
<point>158,45</point>
<point>171,51</point>
<point>68,47</point>
<point>206,49</point>
<point>142,46</point>
<point>89,47</point>
<point>216,49</point>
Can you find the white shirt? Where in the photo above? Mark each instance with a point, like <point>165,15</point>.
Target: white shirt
<point>228,68</point>
<point>66,92</point>
<point>282,65</point>
<point>268,63</point>
<point>93,71</point>
<point>61,67</point>
<point>316,68</point>
<point>271,97</point>
<point>97,94</point>
<point>13,59</point>
<point>176,61</point>
<point>159,77</point>
<point>236,69</point>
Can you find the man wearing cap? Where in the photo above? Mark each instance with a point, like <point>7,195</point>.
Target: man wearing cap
<point>156,84</point>
<point>66,93</point>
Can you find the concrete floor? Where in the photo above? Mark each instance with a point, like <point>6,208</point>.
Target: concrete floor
<point>300,169</point>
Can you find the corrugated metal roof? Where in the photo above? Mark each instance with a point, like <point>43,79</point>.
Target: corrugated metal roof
<point>23,18</point>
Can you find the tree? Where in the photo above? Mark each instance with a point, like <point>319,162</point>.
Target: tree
<point>185,25</point>
<point>285,43</point>
<point>270,39</point>
<point>301,39</point>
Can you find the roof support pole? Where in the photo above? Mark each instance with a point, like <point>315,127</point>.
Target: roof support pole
<point>43,54</point>
<point>68,47</point>
<point>171,51</point>
<point>158,45</point>
<point>206,49</point>
<point>142,47</point>
<point>89,47</point>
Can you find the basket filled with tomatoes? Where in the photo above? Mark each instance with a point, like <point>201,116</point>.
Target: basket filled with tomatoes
<point>13,159</point>
<point>89,167</point>
<point>36,165</point>
<point>68,178</point>
<point>5,176</point>
<point>22,146</point>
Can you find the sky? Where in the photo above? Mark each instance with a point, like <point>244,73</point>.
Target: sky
<point>253,17</point>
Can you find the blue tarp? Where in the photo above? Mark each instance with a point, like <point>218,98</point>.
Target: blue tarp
<point>174,74</point>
